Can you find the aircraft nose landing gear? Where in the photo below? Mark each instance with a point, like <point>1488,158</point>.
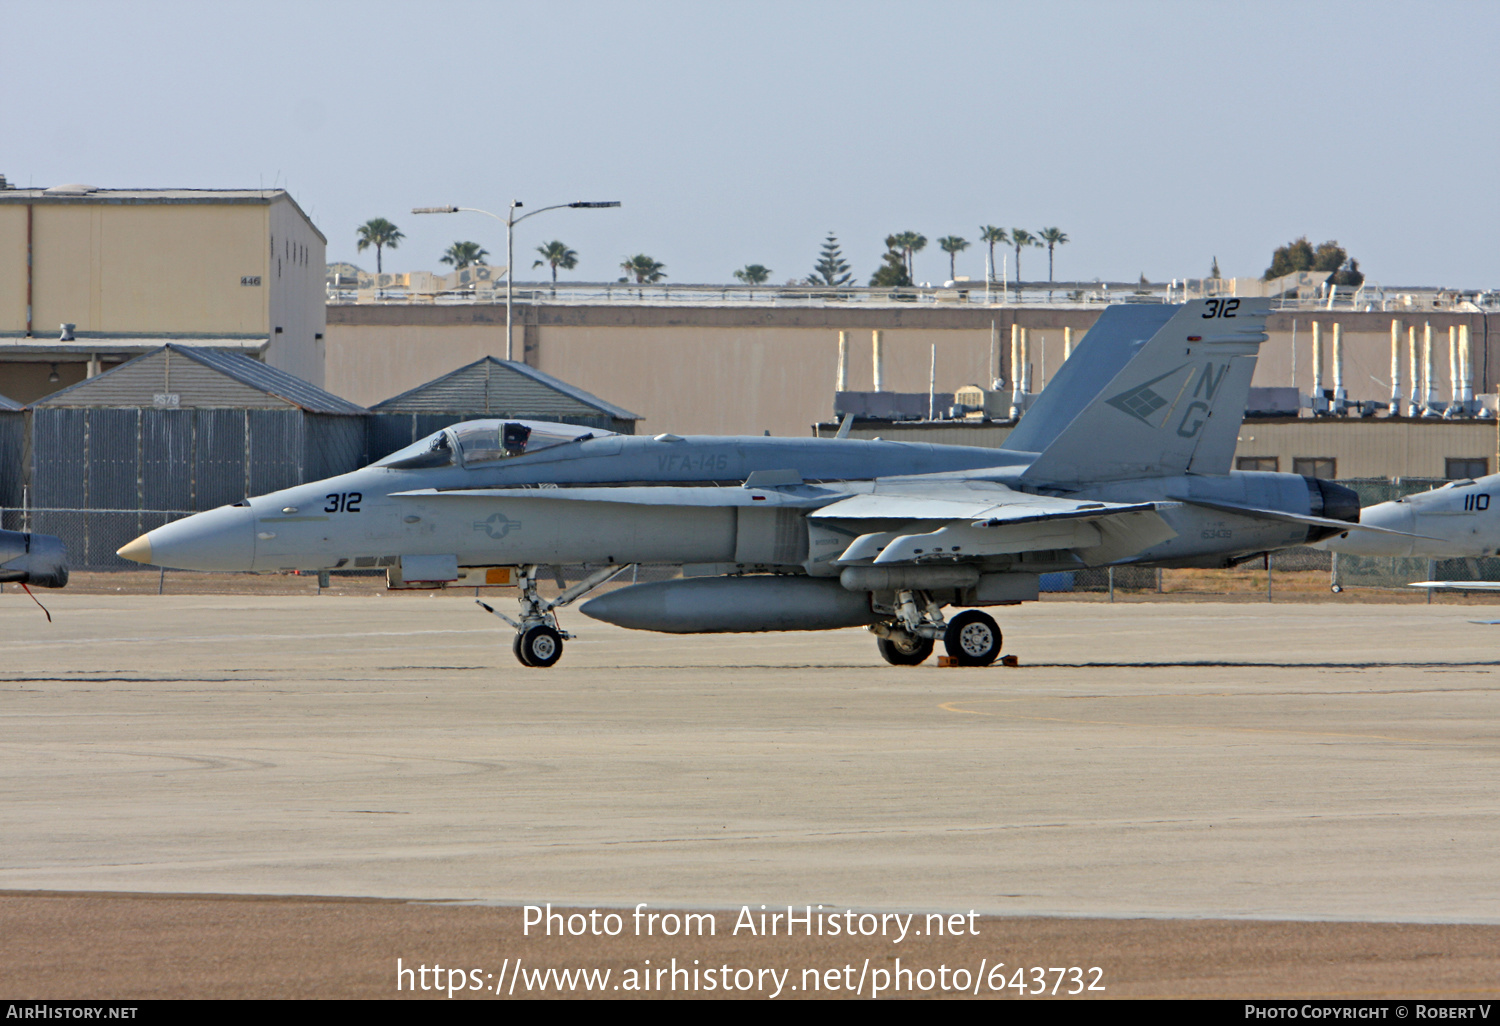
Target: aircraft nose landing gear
<point>539,640</point>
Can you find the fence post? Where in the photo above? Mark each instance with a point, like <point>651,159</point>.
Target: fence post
<point>1111,584</point>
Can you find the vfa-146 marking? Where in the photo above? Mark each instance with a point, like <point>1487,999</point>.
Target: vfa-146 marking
<point>1124,459</point>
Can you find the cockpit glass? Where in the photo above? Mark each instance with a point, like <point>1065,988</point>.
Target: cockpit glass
<point>484,441</point>
<point>432,451</point>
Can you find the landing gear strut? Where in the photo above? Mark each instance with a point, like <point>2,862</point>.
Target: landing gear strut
<point>539,639</point>
<point>972,638</point>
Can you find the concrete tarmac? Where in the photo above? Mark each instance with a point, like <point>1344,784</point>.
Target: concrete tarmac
<point>1334,761</point>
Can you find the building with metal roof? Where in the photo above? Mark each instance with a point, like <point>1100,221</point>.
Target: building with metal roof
<point>177,430</point>
<point>12,452</point>
<point>90,278</point>
<point>488,387</point>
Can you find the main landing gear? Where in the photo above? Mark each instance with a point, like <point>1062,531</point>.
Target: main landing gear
<point>972,638</point>
<point>539,639</point>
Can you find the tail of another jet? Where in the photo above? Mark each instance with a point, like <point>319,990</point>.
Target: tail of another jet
<point>1174,408</point>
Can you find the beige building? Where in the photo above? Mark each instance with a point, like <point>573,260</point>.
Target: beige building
<point>753,367</point>
<point>132,269</point>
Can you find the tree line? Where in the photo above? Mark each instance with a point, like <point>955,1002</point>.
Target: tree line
<point>897,263</point>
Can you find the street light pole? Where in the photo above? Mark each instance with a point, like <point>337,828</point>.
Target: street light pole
<point>511,220</point>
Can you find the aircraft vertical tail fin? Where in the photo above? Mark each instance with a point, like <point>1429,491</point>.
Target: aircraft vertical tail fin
<point>1174,408</point>
<point>1102,353</point>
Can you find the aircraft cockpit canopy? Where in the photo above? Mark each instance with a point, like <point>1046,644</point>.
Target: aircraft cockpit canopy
<point>486,441</point>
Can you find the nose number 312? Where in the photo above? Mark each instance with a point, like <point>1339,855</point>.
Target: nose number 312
<point>343,502</point>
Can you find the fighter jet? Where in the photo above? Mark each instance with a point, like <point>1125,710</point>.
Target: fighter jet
<point>27,558</point>
<point>1454,521</point>
<point>1124,459</point>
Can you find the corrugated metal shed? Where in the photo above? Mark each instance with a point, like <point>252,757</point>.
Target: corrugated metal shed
<point>200,378</point>
<point>502,388</point>
<point>12,450</point>
<point>488,387</point>
<point>178,430</point>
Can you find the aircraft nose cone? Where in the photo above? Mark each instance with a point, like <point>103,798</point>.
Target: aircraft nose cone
<point>138,551</point>
<point>220,539</point>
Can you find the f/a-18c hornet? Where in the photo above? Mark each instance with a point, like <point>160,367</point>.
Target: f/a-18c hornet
<point>1123,459</point>
<point>1456,521</point>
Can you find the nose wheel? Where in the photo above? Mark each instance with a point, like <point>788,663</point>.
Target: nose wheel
<point>538,646</point>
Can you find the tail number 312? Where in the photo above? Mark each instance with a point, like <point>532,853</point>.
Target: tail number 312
<point>1221,308</point>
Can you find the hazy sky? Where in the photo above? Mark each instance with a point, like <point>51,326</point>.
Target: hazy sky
<point>1157,135</point>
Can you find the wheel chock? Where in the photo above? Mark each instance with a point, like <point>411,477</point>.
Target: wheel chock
<point>946,661</point>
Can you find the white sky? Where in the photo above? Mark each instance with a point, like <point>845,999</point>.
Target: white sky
<point>1157,135</point>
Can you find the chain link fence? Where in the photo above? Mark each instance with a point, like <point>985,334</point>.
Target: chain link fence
<point>90,535</point>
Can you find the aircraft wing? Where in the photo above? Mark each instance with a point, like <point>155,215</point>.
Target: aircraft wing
<point>966,520</point>
<point>1456,585</point>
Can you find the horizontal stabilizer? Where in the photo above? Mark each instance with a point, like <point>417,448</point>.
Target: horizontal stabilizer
<point>1294,518</point>
<point>1457,586</point>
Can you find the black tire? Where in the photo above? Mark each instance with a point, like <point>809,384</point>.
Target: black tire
<point>902,649</point>
<point>540,646</point>
<point>973,638</point>
<point>520,653</point>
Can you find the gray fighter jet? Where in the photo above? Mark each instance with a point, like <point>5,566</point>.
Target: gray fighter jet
<point>1455,521</point>
<point>1124,459</point>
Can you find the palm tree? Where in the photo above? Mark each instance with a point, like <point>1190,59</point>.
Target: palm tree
<point>990,234</point>
<point>910,244</point>
<point>556,255</point>
<point>644,269</point>
<point>753,274</point>
<point>464,254</point>
<point>953,246</point>
<point>379,233</point>
<point>1052,237</point>
<point>1020,237</point>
